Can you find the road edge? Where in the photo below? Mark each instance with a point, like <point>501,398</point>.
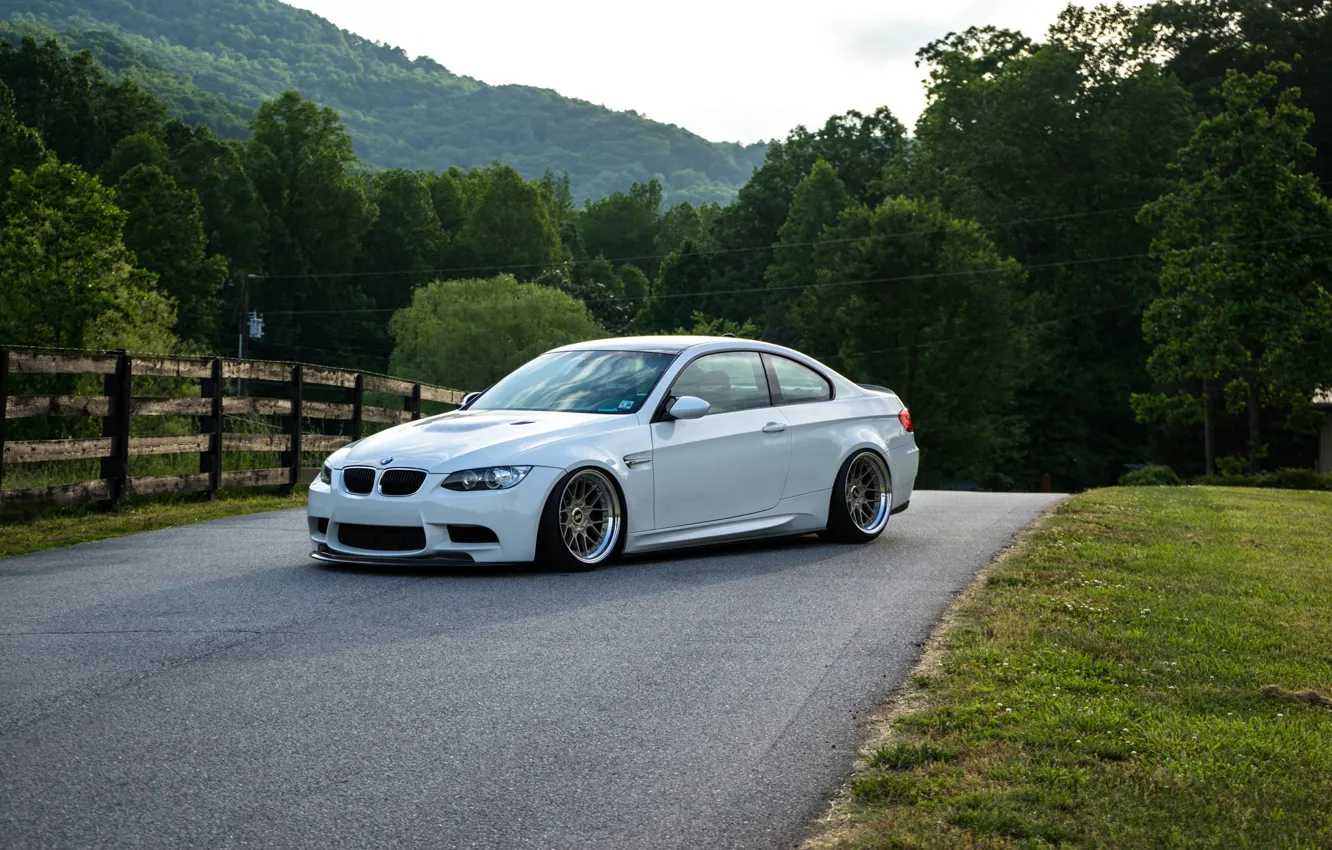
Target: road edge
<point>876,730</point>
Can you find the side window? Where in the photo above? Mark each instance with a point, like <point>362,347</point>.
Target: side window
<point>732,380</point>
<point>798,384</point>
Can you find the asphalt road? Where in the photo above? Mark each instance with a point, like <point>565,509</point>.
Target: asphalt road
<point>209,686</point>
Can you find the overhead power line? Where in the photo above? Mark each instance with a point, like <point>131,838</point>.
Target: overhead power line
<point>748,249</point>
<point>803,286</point>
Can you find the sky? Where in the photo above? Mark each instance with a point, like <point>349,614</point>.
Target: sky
<point>729,70</point>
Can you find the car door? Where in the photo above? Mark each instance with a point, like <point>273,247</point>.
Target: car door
<point>816,422</point>
<point>732,461</point>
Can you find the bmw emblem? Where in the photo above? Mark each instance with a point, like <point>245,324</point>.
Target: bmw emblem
<point>385,461</point>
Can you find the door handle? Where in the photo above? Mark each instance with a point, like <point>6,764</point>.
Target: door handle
<point>774,428</point>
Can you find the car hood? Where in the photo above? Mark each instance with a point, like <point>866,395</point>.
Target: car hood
<point>467,439</point>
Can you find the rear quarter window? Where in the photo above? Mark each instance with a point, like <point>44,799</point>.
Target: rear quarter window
<point>797,384</point>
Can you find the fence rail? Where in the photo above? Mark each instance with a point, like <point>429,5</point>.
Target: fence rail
<point>341,408</point>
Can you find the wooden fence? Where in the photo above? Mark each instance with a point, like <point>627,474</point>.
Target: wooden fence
<point>285,386</point>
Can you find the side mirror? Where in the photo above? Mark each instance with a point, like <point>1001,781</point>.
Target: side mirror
<point>688,407</point>
<point>468,399</point>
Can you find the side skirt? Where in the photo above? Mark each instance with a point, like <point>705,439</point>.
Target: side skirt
<point>796,515</point>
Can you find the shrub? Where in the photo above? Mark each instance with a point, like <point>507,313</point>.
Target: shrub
<point>1151,476</point>
<point>1285,479</point>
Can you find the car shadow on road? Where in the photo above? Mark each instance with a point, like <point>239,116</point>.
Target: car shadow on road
<point>377,605</point>
<point>802,544</point>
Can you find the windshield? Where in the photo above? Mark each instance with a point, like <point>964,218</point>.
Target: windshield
<point>580,381</point>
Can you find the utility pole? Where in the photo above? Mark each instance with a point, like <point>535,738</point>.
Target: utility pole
<point>248,325</point>
<point>240,319</point>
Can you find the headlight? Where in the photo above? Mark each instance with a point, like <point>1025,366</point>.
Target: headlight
<point>490,478</point>
<point>326,474</point>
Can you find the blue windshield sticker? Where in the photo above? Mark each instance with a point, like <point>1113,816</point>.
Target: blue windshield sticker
<point>627,404</point>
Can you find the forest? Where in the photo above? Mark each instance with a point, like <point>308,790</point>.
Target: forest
<point>215,62</point>
<point>1099,248</point>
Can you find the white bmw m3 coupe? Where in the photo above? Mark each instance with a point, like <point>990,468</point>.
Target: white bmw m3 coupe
<point>623,446</point>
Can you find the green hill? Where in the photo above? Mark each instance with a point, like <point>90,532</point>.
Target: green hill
<point>402,112</point>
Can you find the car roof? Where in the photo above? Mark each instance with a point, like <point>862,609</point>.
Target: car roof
<point>665,344</point>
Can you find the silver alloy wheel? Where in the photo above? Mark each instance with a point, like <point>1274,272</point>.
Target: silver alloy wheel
<point>589,516</point>
<point>868,492</point>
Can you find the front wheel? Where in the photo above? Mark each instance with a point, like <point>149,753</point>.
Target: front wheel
<point>582,525</point>
<point>862,499</point>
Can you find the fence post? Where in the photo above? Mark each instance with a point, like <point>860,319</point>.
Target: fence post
<point>4,405</point>
<point>116,425</point>
<point>358,405</point>
<point>292,458</point>
<point>211,460</point>
<point>416,402</point>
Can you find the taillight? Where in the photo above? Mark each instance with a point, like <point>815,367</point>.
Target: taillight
<point>905,418</point>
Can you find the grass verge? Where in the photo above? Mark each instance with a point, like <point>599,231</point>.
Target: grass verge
<point>48,529</point>
<point>1103,686</point>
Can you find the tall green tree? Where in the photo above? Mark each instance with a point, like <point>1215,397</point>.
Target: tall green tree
<point>1202,40</point>
<point>301,162</point>
<point>684,286</point>
<point>623,226</point>
<point>685,221</point>
<point>139,149</point>
<point>470,333</point>
<point>738,243</point>
<point>1245,297</point>
<point>64,268</point>
<point>21,148</point>
<point>600,286</point>
<point>406,240</point>
<point>79,114</point>
<point>1057,144</point>
<point>817,202</point>
<point>164,228</point>
<point>508,225</point>
<point>936,315</point>
<point>235,220</point>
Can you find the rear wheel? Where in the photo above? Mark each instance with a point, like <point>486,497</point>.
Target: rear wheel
<point>862,499</point>
<point>582,525</point>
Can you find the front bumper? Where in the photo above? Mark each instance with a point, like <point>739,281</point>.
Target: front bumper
<point>513,516</point>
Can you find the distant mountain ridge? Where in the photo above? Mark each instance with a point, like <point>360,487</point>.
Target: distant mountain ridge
<point>402,112</point>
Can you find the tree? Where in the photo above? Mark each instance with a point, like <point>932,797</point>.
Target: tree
<point>21,148</point>
<point>67,100</point>
<point>909,297</point>
<point>406,240</point>
<point>66,271</point>
<point>700,324</point>
<point>1056,145</point>
<point>1203,39</point>
<point>633,284</point>
<point>164,229</point>
<point>508,224</point>
<point>301,162</point>
<point>470,333</point>
<point>300,159</point>
<point>817,202</point>
<point>598,285</point>
<point>234,218</point>
<point>623,226</point>
<point>138,149</point>
<point>858,147</point>
<point>1244,299</point>
<point>685,221</point>
<point>682,288</point>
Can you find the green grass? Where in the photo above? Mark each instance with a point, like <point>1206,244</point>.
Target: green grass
<point>1101,687</point>
<point>48,529</point>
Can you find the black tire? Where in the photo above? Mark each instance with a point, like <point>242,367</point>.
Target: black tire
<point>843,527</point>
<point>557,553</point>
